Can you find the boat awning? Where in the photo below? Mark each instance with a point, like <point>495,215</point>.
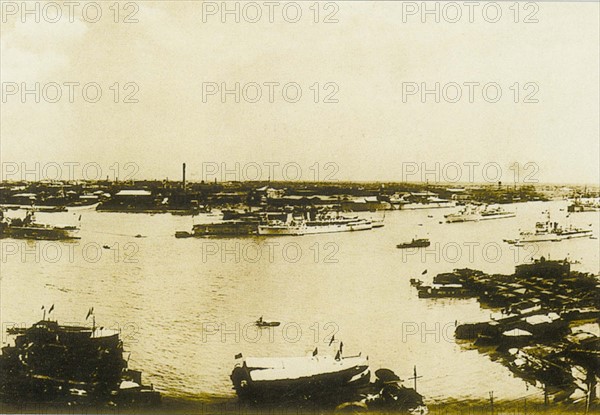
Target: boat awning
<point>539,319</point>
<point>447,286</point>
<point>268,369</point>
<point>102,332</point>
<point>516,333</point>
<point>134,193</point>
<point>127,384</point>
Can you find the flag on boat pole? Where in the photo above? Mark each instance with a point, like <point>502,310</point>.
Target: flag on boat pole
<point>332,339</point>
<point>341,347</point>
<point>90,312</point>
<point>238,356</point>
<point>424,272</point>
<point>316,351</point>
<point>51,308</point>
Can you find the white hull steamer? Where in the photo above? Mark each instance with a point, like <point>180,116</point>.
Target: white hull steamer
<point>289,378</point>
<point>473,214</point>
<point>549,231</point>
<point>310,227</point>
<point>467,214</point>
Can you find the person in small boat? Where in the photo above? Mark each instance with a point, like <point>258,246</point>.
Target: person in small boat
<point>260,320</point>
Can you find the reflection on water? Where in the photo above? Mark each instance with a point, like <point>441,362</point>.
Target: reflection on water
<point>186,306</point>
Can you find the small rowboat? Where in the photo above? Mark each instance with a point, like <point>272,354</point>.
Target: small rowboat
<point>264,323</point>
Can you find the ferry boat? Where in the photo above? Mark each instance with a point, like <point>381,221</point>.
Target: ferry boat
<point>475,214</point>
<point>415,243</point>
<point>548,231</point>
<point>70,365</point>
<point>28,228</point>
<point>288,378</point>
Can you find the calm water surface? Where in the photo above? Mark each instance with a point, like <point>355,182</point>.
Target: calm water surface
<point>185,306</point>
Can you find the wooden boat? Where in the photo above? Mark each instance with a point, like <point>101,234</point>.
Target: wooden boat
<point>265,323</point>
<point>298,378</point>
<point>183,234</point>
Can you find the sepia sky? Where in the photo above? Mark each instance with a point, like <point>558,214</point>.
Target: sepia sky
<point>373,52</point>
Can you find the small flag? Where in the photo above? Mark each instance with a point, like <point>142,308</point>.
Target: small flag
<point>43,307</point>
<point>315,351</point>
<point>90,312</point>
<point>332,339</point>
<point>80,218</point>
<point>51,308</point>
<point>238,356</point>
<point>424,272</point>
<point>341,346</point>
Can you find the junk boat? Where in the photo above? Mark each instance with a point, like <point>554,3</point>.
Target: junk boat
<point>28,228</point>
<point>475,214</point>
<point>70,365</point>
<point>262,379</point>
<point>415,243</point>
<point>550,231</point>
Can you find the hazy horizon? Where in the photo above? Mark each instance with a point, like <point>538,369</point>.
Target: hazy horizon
<point>368,61</point>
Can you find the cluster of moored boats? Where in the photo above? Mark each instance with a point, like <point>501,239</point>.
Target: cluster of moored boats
<point>543,329</point>
<point>72,365</point>
<point>77,365</point>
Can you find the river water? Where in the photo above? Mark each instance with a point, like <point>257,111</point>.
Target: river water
<point>185,307</point>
